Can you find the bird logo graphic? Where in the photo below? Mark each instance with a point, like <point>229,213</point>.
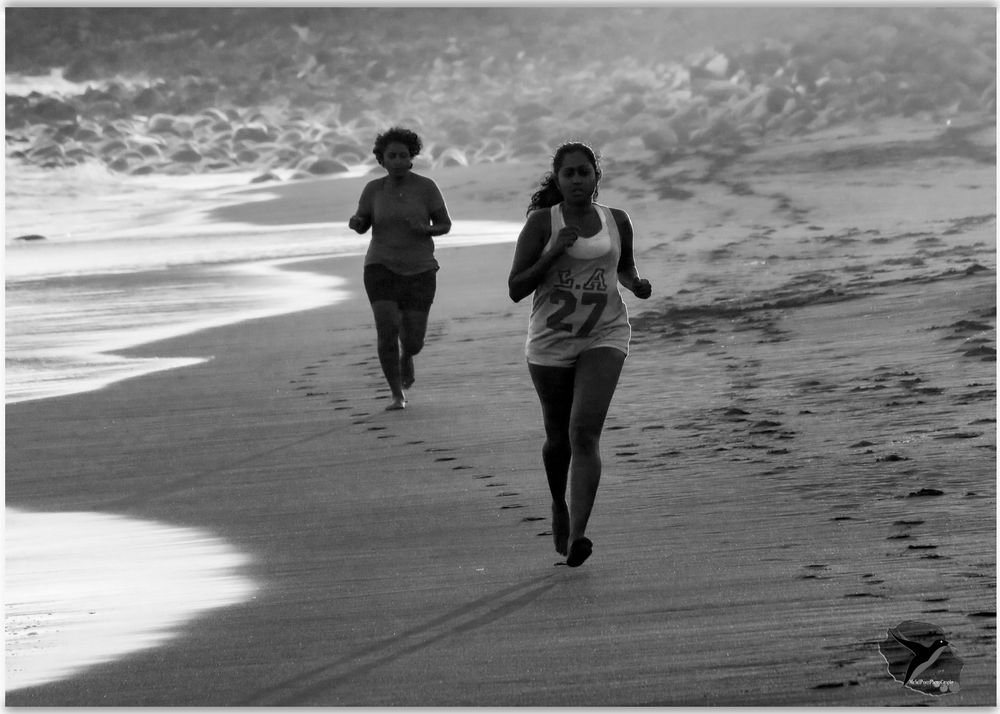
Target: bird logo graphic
<point>920,658</point>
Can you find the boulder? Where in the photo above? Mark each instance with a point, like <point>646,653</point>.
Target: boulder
<point>265,177</point>
<point>160,124</point>
<point>662,138</point>
<point>148,101</point>
<point>256,133</point>
<point>50,109</point>
<point>322,167</point>
<point>186,156</point>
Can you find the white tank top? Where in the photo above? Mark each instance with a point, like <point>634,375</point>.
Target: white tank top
<point>579,297</point>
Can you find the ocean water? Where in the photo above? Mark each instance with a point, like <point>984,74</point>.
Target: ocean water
<point>107,274</point>
<point>130,260</point>
<point>127,261</point>
<point>84,588</point>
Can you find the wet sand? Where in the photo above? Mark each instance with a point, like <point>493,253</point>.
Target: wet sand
<point>801,454</point>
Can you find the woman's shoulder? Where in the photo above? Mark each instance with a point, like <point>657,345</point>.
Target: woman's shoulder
<point>540,217</point>
<point>616,211</point>
<point>421,180</point>
<point>619,214</point>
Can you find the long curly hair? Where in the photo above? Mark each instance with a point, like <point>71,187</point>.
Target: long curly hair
<point>548,193</point>
<point>397,134</point>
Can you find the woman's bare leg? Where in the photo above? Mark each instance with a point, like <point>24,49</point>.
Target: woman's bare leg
<point>555,392</point>
<point>596,378</point>
<point>388,322</point>
<point>413,329</point>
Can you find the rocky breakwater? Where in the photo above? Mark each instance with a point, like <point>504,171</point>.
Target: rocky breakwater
<point>174,128</point>
<point>479,97</point>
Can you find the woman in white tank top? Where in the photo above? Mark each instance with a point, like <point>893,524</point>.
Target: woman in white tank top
<point>572,254</point>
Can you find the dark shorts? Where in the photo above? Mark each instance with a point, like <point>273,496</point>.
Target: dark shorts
<point>410,292</point>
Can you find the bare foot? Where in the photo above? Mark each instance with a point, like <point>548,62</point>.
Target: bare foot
<point>406,371</point>
<point>579,552</point>
<point>560,527</point>
<point>397,403</point>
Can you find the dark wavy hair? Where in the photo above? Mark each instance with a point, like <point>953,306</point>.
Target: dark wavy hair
<point>548,193</point>
<point>397,134</point>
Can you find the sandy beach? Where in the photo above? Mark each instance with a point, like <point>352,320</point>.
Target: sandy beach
<point>800,455</point>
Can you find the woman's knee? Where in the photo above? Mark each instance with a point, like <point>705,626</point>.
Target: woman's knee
<point>412,345</point>
<point>584,437</point>
<point>557,443</point>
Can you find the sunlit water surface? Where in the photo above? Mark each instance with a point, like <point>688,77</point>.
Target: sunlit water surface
<point>85,588</point>
<point>127,261</point>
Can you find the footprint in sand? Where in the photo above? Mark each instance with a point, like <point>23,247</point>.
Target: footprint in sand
<point>816,572</point>
<point>931,610</point>
<point>959,435</point>
<point>925,493</point>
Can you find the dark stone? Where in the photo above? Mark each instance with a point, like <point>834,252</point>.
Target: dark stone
<point>256,134</point>
<point>148,100</point>
<point>49,109</point>
<point>327,166</point>
<point>186,156</point>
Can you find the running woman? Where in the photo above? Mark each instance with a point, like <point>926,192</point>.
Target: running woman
<point>572,254</point>
<point>405,211</point>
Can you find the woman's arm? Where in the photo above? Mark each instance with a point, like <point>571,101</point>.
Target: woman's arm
<point>628,274</point>
<point>361,221</point>
<point>532,258</point>
<point>440,221</point>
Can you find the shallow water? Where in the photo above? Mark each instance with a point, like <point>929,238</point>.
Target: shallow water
<point>85,588</point>
<point>125,262</point>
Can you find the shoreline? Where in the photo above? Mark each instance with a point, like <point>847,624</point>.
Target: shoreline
<point>220,255</point>
<point>405,560</point>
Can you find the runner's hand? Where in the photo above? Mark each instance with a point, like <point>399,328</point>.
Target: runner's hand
<point>419,227</point>
<point>642,288</point>
<point>357,224</point>
<point>566,238</point>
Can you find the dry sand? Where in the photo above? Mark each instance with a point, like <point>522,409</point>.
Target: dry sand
<point>801,453</point>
